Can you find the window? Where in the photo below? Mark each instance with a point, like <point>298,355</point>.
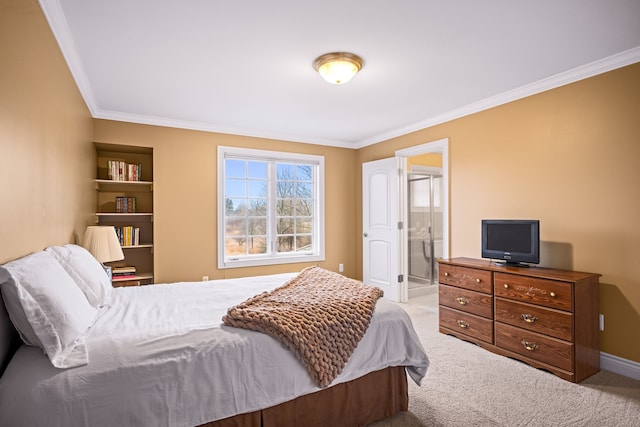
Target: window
<point>270,207</point>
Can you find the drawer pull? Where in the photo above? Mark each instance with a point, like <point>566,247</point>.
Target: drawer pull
<point>446,274</point>
<point>529,318</point>
<point>553,294</point>
<point>531,346</point>
<point>462,301</point>
<point>477,280</point>
<point>506,286</point>
<point>463,324</point>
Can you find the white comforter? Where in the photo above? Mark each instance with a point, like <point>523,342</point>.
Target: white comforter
<point>159,356</point>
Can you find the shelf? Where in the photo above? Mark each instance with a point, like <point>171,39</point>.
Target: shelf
<point>108,212</point>
<point>124,214</point>
<point>111,185</point>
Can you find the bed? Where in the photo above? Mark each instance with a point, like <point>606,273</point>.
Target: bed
<point>160,356</point>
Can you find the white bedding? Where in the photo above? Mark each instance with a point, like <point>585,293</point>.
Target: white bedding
<point>159,356</point>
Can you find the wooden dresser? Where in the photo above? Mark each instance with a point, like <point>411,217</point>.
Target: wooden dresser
<point>545,317</point>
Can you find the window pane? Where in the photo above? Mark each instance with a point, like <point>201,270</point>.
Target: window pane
<point>304,225</point>
<point>257,226</point>
<point>285,226</point>
<point>284,171</point>
<point>235,246</point>
<point>304,172</point>
<point>235,168</point>
<point>257,170</point>
<point>257,188</point>
<point>285,207</point>
<point>304,207</point>
<point>304,190</point>
<point>235,188</point>
<point>257,245</point>
<point>235,207</point>
<point>303,243</point>
<point>235,226</point>
<point>258,207</point>
<point>285,244</point>
<point>285,189</point>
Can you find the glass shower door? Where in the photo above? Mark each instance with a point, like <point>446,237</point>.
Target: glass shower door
<point>425,227</point>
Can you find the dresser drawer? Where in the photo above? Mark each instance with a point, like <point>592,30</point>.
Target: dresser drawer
<point>467,324</point>
<point>550,293</point>
<point>465,300</point>
<point>556,323</point>
<point>468,278</point>
<point>536,346</point>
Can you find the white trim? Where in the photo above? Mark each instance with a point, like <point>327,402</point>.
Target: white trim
<point>439,146</point>
<point>594,68</point>
<point>424,170</point>
<point>251,261</point>
<point>618,365</point>
<point>58,24</point>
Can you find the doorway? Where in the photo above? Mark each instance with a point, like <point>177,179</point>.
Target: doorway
<point>424,228</point>
<point>385,258</point>
<point>440,224</point>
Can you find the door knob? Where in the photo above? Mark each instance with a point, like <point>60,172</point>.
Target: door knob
<point>365,234</point>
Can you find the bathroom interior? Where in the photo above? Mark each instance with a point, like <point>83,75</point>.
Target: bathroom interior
<point>425,227</point>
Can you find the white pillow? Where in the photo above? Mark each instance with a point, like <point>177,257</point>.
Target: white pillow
<point>86,271</point>
<point>14,309</point>
<point>47,308</point>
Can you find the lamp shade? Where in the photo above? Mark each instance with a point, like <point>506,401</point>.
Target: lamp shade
<point>103,243</point>
<point>338,67</point>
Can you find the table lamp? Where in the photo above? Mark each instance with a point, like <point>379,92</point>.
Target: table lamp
<point>103,244</point>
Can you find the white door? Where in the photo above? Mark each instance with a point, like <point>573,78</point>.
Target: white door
<point>381,252</point>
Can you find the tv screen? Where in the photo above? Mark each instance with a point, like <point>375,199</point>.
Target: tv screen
<point>514,241</point>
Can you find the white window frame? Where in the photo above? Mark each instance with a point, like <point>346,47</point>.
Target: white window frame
<point>270,258</point>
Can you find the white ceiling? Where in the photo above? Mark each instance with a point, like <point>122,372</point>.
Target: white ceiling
<point>245,66</point>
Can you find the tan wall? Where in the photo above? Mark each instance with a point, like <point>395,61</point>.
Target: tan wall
<point>568,157</point>
<point>185,211</point>
<point>428,159</point>
<point>46,156</point>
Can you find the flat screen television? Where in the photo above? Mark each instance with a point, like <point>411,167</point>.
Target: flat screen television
<point>512,241</point>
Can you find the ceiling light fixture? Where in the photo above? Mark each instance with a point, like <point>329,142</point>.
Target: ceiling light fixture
<point>338,67</point>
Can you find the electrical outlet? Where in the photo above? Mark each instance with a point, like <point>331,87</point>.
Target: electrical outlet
<point>602,322</point>
<point>341,268</point>
<point>205,278</point>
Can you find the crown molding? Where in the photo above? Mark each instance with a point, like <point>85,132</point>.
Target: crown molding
<point>604,65</point>
<point>58,24</point>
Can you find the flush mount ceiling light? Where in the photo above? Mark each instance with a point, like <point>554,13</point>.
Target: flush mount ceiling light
<point>338,67</point>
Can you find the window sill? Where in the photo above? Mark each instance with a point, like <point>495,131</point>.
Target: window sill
<point>224,264</point>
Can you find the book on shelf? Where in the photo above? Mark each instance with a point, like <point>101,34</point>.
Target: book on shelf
<point>128,235</point>
<point>127,269</point>
<point>122,171</point>
<point>127,283</point>
<point>125,204</point>
<point>123,272</point>
<point>123,276</point>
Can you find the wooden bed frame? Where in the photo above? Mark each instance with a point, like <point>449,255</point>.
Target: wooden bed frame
<point>360,402</point>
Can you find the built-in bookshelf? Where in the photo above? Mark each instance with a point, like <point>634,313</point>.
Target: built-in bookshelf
<point>124,186</point>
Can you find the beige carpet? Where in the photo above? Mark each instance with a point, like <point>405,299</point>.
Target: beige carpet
<point>468,386</point>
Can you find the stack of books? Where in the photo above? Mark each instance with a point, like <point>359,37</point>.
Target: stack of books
<point>125,204</point>
<point>124,272</point>
<point>122,171</point>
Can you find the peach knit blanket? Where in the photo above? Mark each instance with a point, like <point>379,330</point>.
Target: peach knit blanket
<point>319,315</point>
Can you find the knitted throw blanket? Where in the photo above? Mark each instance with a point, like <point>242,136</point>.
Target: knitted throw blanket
<point>319,315</point>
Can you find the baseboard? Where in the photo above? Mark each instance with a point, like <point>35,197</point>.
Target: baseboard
<point>621,366</point>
